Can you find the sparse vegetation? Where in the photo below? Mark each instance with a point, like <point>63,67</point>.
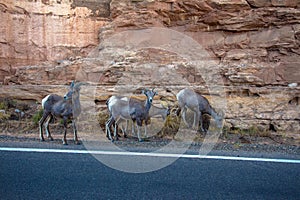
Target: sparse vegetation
<point>102,118</point>
<point>167,130</point>
<point>7,103</point>
<point>171,126</point>
<point>252,131</point>
<point>3,106</point>
<point>4,116</point>
<point>36,117</point>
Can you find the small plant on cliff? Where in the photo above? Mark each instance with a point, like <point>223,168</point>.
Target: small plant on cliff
<point>7,103</point>
<point>3,106</point>
<point>37,116</point>
<point>4,116</point>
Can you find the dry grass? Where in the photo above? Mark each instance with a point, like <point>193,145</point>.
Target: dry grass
<point>171,126</point>
<point>252,131</point>
<point>102,117</point>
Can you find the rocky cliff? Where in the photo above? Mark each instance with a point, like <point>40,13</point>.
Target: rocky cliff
<point>252,47</point>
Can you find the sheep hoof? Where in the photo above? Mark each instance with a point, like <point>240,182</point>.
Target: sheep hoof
<point>77,142</point>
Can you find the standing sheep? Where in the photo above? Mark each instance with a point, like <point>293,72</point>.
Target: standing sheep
<point>66,108</point>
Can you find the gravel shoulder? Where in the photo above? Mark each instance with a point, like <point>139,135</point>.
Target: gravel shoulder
<point>231,145</point>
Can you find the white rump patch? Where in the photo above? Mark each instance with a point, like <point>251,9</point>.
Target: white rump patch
<point>44,101</point>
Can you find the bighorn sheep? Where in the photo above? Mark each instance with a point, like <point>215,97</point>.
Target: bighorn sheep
<point>133,109</point>
<point>187,98</point>
<point>49,100</point>
<point>117,105</point>
<point>117,101</point>
<point>66,108</point>
<point>159,112</point>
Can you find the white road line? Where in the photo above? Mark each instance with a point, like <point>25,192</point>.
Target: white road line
<point>170,155</point>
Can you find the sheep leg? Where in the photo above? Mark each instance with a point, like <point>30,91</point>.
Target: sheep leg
<point>132,128</point>
<point>124,130</point>
<point>41,122</point>
<point>75,132</point>
<point>64,140</point>
<point>107,128</point>
<point>138,126</point>
<point>201,123</point>
<point>196,119</point>
<point>116,128</point>
<point>116,131</point>
<point>138,133</point>
<point>147,122</point>
<point>145,130</point>
<point>183,113</point>
<point>110,124</point>
<point>47,127</point>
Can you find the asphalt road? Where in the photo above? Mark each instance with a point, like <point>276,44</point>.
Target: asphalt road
<point>32,175</point>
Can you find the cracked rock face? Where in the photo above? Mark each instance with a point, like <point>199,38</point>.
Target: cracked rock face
<point>253,43</point>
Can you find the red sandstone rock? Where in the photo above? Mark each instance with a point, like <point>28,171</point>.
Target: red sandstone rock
<point>253,43</point>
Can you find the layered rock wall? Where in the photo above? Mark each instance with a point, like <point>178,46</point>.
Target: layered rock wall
<point>253,43</point>
<point>33,31</point>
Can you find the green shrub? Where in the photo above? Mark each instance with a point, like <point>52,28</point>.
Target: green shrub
<point>3,106</point>
<point>7,103</point>
<point>4,116</point>
<point>37,116</point>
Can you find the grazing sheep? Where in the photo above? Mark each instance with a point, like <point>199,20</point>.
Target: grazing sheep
<point>199,105</point>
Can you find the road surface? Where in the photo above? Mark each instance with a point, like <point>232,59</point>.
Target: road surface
<point>65,175</point>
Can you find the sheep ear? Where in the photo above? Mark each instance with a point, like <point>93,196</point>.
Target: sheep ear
<point>72,84</point>
<point>77,85</point>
